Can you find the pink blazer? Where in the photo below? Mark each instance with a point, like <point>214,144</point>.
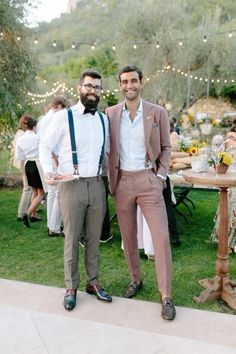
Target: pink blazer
<point>157,139</point>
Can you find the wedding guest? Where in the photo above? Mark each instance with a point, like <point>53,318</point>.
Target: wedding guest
<point>27,150</point>
<point>54,223</point>
<point>138,161</point>
<point>80,136</point>
<point>19,164</point>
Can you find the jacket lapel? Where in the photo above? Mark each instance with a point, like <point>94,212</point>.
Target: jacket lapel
<point>116,126</point>
<point>148,118</point>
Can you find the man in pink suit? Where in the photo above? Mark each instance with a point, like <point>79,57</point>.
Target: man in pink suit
<point>137,163</point>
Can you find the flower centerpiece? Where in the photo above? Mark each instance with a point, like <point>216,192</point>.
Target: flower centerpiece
<point>206,123</point>
<point>220,160</point>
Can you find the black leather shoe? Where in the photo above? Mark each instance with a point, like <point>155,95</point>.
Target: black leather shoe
<point>70,299</point>
<point>26,220</point>
<point>55,234</point>
<point>19,219</point>
<point>168,310</point>
<point>99,292</point>
<point>176,242</point>
<point>34,219</point>
<point>132,289</point>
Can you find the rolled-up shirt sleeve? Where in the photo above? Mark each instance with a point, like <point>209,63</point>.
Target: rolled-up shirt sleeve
<point>49,143</point>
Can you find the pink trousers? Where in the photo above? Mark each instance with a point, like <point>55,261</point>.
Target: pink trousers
<point>144,188</point>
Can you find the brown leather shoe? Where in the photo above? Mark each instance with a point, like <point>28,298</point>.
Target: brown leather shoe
<point>132,289</point>
<point>70,299</point>
<point>100,293</point>
<point>168,310</point>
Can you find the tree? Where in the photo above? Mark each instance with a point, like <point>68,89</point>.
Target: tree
<point>17,68</point>
<point>149,22</point>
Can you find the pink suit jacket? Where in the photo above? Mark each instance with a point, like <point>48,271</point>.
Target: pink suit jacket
<point>157,139</point>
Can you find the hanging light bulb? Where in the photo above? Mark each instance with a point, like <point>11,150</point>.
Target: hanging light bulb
<point>54,43</point>
<point>158,45</point>
<point>180,42</point>
<point>18,38</point>
<point>73,45</point>
<point>135,46</point>
<point>230,34</point>
<point>204,38</point>
<point>36,40</point>
<point>114,47</point>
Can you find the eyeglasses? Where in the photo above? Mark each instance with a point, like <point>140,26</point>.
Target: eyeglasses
<point>89,87</point>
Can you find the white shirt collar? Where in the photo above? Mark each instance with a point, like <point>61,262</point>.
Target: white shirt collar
<point>80,107</point>
<point>140,107</point>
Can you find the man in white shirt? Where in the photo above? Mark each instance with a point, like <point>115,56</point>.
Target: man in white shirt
<point>137,168</point>
<point>79,137</point>
<point>53,210</point>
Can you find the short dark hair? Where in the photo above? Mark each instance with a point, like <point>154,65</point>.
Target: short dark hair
<point>59,101</point>
<point>128,69</point>
<point>92,73</point>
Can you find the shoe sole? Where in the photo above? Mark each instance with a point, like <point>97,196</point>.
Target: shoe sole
<point>168,318</point>
<point>108,239</point>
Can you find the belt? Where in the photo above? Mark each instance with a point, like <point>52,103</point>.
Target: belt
<point>135,173</point>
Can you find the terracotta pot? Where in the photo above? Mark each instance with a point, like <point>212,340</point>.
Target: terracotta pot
<point>222,168</point>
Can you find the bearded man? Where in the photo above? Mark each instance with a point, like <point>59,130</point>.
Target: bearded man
<point>80,137</point>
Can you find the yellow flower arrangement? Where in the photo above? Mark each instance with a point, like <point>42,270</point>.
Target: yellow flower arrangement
<point>224,159</point>
<point>208,120</point>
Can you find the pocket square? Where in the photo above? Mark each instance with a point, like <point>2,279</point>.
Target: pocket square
<point>148,117</point>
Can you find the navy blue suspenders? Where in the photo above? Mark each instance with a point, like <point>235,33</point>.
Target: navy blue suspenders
<point>73,143</point>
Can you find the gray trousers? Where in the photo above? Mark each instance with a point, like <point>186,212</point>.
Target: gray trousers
<point>82,204</point>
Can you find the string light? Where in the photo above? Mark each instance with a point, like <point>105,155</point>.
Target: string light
<point>113,47</point>
<point>135,46</point>
<point>204,38</point>
<point>230,34</point>
<point>18,37</point>
<point>73,45</point>
<point>180,42</point>
<point>54,43</point>
<point>166,69</point>
<point>158,45</point>
<point>36,40</point>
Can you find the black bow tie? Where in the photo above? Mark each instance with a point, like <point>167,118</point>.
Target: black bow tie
<point>90,110</point>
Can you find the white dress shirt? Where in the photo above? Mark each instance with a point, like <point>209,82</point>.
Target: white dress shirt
<point>132,146</point>
<point>43,123</point>
<point>88,136</point>
<point>27,146</point>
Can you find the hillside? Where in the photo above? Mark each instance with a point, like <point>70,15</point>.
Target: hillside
<point>107,34</point>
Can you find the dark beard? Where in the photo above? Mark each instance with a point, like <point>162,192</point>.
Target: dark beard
<point>91,104</point>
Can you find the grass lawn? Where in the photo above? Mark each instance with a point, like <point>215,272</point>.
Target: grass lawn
<point>30,255</point>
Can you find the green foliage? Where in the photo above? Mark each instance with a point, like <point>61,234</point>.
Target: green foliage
<point>229,91</point>
<point>17,68</point>
<point>124,23</point>
<point>213,91</point>
<point>102,59</point>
